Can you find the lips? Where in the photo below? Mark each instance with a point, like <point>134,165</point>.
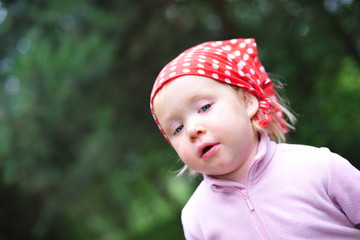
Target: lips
<point>207,150</point>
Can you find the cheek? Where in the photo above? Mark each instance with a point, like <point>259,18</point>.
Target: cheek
<point>183,151</point>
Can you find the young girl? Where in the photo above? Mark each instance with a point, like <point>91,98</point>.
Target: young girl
<point>216,106</point>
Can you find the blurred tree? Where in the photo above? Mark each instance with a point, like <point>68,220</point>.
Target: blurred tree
<point>81,157</point>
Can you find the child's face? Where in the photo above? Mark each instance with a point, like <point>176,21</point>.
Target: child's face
<point>208,124</point>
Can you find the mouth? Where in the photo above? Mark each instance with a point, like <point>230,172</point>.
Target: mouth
<point>207,150</point>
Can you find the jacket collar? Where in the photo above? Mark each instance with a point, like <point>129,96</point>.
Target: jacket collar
<point>265,153</point>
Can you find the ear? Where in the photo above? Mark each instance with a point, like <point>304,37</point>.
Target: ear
<point>251,105</point>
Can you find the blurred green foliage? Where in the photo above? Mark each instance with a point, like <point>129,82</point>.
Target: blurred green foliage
<point>80,156</point>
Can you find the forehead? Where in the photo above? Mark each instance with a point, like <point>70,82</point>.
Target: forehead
<point>186,86</point>
<point>184,91</point>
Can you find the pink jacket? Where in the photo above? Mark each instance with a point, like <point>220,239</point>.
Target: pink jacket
<point>292,192</point>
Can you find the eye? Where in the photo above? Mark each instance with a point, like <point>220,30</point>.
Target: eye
<point>178,129</point>
<point>205,108</point>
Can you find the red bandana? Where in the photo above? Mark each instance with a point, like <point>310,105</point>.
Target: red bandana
<point>234,62</point>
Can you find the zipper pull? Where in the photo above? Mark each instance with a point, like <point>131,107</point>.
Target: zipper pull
<point>247,200</point>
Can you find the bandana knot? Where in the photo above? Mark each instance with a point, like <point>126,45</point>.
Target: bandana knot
<point>265,104</point>
<point>265,109</point>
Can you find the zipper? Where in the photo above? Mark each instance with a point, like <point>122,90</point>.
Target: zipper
<point>260,226</point>
<point>247,200</point>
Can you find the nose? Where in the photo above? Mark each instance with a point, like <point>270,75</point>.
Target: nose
<point>195,131</point>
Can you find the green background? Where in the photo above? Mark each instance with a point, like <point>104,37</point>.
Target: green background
<point>80,156</point>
